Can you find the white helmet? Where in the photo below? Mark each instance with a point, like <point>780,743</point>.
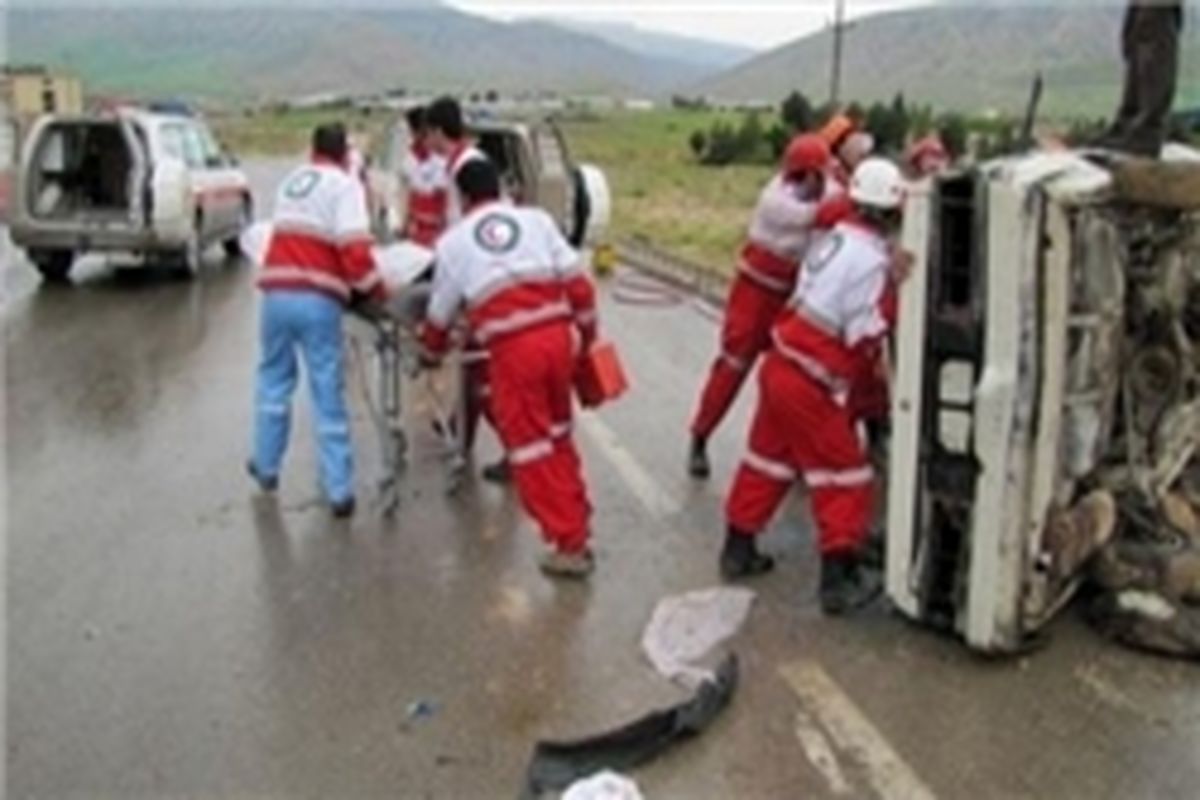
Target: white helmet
<point>877,183</point>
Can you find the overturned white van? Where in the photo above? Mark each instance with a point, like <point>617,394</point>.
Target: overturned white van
<point>1046,354</point>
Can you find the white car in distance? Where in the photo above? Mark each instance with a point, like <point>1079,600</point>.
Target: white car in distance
<point>130,181</point>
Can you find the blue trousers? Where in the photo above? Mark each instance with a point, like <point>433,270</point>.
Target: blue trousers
<point>310,324</point>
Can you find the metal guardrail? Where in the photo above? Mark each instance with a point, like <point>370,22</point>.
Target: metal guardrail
<point>682,273</point>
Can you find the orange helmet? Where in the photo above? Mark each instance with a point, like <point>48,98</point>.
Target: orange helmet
<point>807,152</point>
<point>836,130</point>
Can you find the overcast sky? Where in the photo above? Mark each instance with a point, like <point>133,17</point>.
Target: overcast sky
<point>757,23</point>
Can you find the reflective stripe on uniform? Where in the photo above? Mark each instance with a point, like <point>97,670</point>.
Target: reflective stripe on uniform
<point>336,429</point>
<point>302,228</point>
<point>772,469</point>
<point>735,363</point>
<point>506,280</point>
<point>560,430</point>
<point>315,277</point>
<point>842,479</point>
<point>768,282</point>
<point>522,319</point>
<point>534,451</point>
<point>368,283</point>
<point>813,369</point>
<point>817,320</point>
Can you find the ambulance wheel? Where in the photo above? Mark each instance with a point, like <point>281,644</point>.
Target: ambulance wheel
<point>189,259</point>
<point>233,245</point>
<point>54,265</point>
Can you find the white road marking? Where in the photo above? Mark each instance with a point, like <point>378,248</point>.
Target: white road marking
<point>820,753</point>
<point>853,733</point>
<point>647,490</point>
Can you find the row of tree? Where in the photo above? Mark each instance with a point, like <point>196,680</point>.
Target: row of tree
<point>893,125</point>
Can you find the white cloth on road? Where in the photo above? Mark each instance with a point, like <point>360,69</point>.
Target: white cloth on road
<point>605,785</point>
<point>686,627</point>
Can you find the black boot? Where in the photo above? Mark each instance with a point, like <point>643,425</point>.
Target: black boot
<point>343,509</point>
<point>698,466</point>
<point>874,551</point>
<point>740,557</point>
<point>847,585</point>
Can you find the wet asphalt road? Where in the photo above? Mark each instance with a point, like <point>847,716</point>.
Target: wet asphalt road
<point>172,634</point>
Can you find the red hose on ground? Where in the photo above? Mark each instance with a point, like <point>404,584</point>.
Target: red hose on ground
<point>636,289</point>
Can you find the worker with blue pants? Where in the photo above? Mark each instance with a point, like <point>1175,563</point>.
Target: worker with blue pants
<point>318,259</point>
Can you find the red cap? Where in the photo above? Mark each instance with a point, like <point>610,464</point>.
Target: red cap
<point>807,152</point>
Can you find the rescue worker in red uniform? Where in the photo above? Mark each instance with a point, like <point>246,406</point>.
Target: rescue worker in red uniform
<point>849,145</point>
<point>426,184</point>
<point>530,304</point>
<point>448,139</point>
<point>829,336</point>
<point>927,157</point>
<point>780,231</point>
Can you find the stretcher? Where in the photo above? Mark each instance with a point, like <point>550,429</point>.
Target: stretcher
<point>388,368</point>
<point>391,369</point>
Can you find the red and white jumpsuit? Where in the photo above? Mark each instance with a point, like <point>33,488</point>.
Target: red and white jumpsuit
<point>426,177</point>
<point>460,153</point>
<point>529,303</point>
<point>779,234</point>
<point>870,398</point>
<point>835,322</point>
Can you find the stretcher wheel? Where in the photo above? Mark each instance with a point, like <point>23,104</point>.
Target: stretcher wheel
<point>399,449</point>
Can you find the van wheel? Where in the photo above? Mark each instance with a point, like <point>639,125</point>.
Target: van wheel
<point>188,260</point>
<point>581,211</point>
<point>54,265</point>
<point>233,245</point>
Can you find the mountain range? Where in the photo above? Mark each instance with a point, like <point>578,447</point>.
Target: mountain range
<point>227,50</point>
<point>971,55</point>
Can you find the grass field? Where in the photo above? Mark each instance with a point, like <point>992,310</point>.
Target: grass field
<point>660,193</point>
<point>287,133</point>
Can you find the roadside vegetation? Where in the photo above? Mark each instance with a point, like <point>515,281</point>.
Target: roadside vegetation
<point>661,193</point>
<point>683,179</point>
<point>285,132</point>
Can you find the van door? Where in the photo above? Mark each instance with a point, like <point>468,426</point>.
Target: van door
<point>201,180</point>
<point>221,182</point>
<point>170,185</point>
<point>137,143</point>
<point>555,184</point>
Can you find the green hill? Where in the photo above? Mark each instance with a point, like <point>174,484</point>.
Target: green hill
<point>967,56</point>
<point>241,53</point>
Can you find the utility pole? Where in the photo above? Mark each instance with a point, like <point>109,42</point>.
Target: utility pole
<point>839,31</point>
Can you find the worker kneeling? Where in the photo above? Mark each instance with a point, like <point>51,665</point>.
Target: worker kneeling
<point>827,338</point>
<point>529,302</point>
